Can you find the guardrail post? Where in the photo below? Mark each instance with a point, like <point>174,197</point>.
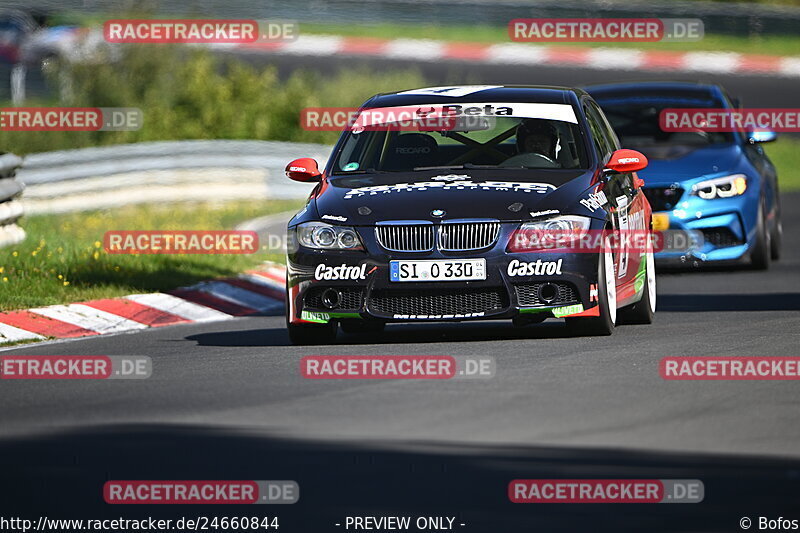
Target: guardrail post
<point>18,76</point>
<point>10,201</point>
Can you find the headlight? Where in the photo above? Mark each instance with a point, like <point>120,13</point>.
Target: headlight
<point>724,187</point>
<point>322,236</point>
<point>558,232</point>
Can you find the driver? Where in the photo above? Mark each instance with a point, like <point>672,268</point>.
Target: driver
<point>537,145</point>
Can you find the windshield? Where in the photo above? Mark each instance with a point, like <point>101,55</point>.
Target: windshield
<point>635,120</point>
<point>543,136</point>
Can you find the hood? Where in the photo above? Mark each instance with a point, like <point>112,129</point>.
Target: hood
<point>505,195</point>
<point>674,163</point>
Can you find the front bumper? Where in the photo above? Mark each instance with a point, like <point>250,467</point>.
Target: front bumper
<point>369,294</point>
<point>718,231</point>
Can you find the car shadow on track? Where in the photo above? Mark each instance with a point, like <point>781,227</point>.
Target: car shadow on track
<point>394,334</point>
<point>61,475</point>
<point>784,301</point>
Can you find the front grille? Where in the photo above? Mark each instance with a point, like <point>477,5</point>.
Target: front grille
<point>528,294</point>
<point>720,237</point>
<point>405,237</point>
<point>350,300</point>
<point>437,302</point>
<point>453,236</point>
<point>463,236</point>
<point>663,198</point>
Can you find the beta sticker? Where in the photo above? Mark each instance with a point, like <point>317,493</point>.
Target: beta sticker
<point>350,166</point>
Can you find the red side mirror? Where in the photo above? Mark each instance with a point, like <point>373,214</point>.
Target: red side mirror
<point>303,169</point>
<point>624,161</point>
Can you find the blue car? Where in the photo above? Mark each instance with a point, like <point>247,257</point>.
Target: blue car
<point>718,186</point>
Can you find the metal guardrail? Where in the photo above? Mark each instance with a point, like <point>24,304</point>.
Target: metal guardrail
<point>105,177</point>
<point>49,167</point>
<point>10,205</point>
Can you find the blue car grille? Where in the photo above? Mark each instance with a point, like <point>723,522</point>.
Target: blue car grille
<point>663,198</point>
<point>720,237</point>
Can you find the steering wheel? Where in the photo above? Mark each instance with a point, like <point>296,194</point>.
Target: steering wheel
<point>527,157</point>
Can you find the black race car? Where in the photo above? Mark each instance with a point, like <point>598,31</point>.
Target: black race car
<point>471,203</point>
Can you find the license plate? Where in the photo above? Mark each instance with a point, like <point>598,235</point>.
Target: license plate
<point>660,221</point>
<point>438,270</point>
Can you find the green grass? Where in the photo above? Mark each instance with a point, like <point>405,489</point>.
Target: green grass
<point>193,94</point>
<point>62,260</point>
<point>772,44</point>
<point>785,154</point>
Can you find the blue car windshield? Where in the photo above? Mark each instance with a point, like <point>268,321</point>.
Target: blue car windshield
<point>636,123</point>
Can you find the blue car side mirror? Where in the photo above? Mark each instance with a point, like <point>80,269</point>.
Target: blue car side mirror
<point>763,136</point>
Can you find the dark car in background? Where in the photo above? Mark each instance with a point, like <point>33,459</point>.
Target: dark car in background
<point>426,225</point>
<point>720,186</point>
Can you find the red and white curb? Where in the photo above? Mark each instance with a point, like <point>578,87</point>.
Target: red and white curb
<point>532,54</point>
<point>255,291</point>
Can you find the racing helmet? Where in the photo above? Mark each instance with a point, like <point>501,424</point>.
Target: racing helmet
<point>538,127</point>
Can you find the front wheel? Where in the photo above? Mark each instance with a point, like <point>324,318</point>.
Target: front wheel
<point>777,236</point>
<point>643,311</point>
<point>607,301</point>
<point>762,247</point>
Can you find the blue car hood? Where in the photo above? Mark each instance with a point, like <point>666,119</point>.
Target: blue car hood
<point>670,164</point>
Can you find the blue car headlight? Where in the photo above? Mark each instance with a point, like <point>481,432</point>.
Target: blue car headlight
<point>724,187</point>
<point>322,236</point>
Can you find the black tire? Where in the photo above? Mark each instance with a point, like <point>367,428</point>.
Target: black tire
<point>777,234</point>
<point>604,324</point>
<point>761,252</point>
<point>643,311</point>
<point>362,326</point>
<point>309,334</point>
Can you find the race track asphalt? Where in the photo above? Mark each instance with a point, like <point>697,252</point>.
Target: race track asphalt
<point>753,90</point>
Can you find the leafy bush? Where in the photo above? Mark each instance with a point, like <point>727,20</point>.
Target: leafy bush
<point>190,93</point>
